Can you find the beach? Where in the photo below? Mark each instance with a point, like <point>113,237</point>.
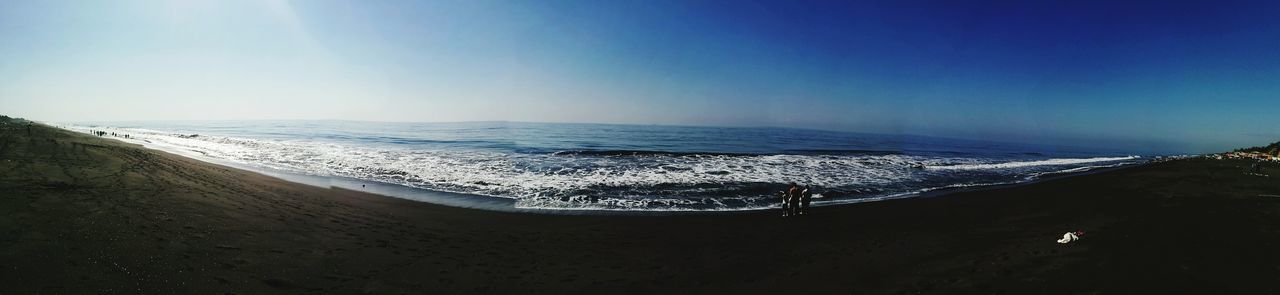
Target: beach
<point>82,214</point>
<point>603,167</point>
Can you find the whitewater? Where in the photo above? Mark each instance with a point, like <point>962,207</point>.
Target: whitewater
<point>616,167</point>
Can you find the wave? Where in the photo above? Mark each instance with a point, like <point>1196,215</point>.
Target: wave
<point>625,180</point>
<point>647,153</point>
<point>842,152</point>
<point>1075,170</point>
<point>642,153</point>
<point>1022,164</point>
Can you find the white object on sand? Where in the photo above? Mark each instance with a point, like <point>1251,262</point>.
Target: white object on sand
<point>1068,237</point>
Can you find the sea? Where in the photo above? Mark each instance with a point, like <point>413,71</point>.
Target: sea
<point>559,167</point>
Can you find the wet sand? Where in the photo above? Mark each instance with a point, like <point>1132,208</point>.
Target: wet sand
<point>81,214</point>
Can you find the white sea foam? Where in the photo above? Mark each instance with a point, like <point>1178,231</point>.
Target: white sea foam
<point>632,183</point>
<point>1049,162</point>
<point>1075,170</point>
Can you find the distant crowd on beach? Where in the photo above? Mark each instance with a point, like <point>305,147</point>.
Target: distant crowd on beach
<point>104,133</point>
<point>795,200</point>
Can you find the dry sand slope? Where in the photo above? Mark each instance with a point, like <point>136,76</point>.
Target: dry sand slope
<point>80,214</point>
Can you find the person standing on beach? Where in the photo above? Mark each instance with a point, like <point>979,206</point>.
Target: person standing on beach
<point>785,209</point>
<point>792,199</point>
<point>805,196</point>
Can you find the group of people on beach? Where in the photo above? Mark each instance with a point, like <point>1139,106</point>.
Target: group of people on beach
<point>104,133</point>
<point>795,200</point>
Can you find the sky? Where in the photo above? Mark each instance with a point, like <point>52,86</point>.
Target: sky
<point>1169,76</point>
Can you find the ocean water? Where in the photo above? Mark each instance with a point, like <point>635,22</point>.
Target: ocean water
<point>617,167</point>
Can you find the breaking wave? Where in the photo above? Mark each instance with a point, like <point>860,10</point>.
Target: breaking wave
<point>618,179</point>
<point>1022,164</point>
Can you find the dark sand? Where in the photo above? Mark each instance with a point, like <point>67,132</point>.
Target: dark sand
<point>79,214</point>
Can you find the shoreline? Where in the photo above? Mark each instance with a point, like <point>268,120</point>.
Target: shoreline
<point>505,204</point>
<point>86,215</point>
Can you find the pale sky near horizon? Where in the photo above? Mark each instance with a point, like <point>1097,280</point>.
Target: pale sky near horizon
<point>1186,76</point>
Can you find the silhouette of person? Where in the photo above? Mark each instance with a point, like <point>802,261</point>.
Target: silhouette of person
<point>793,198</point>
<point>785,209</point>
<point>805,196</point>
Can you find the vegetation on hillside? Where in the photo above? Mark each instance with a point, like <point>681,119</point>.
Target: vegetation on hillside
<point>1270,149</point>
<point>11,120</point>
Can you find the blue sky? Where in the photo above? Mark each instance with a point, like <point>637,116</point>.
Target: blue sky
<point>1160,75</point>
